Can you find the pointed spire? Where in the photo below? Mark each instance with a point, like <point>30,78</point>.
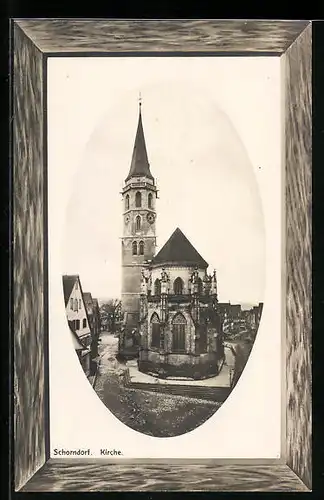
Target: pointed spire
<point>139,165</point>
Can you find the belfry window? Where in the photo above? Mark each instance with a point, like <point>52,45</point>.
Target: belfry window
<point>157,287</point>
<point>138,200</point>
<point>141,247</point>
<point>149,200</point>
<point>138,223</point>
<point>127,202</point>
<point>134,248</point>
<point>178,286</point>
<point>179,333</point>
<point>156,331</point>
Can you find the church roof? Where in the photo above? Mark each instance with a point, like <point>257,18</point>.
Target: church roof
<point>139,165</point>
<point>179,250</point>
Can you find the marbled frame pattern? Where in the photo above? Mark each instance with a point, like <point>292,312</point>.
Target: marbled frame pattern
<point>34,40</point>
<point>30,426</point>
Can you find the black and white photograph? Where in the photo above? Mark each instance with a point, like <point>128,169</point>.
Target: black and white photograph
<point>162,274</point>
<point>163,239</point>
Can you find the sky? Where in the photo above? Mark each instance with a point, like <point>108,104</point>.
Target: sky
<point>213,142</point>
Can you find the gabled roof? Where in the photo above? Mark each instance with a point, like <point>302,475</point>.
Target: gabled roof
<point>88,301</point>
<point>139,165</point>
<point>68,284</point>
<point>179,250</point>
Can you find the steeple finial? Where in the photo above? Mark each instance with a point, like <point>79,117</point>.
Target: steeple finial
<point>139,165</point>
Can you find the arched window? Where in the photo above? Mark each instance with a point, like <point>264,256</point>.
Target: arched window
<point>71,304</point>
<point>178,286</point>
<point>138,199</point>
<point>127,202</point>
<point>84,323</point>
<point>138,223</point>
<point>179,333</point>
<point>75,304</point>
<point>157,287</point>
<point>141,247</point>
<point>200,286</point>
<point>156,331</point>
<point>134,248</point>
<point>149,200</point>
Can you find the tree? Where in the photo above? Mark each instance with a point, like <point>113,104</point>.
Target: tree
<point>110,313</point>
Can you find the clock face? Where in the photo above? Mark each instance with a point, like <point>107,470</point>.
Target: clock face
<point>151,218</point>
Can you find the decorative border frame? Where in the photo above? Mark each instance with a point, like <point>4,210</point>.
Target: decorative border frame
<point>33,42</point>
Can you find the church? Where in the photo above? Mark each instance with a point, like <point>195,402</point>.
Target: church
<point>169,301</point>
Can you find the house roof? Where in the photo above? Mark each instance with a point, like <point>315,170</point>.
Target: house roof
<point>139,165</point>
<point>179,250</point>
<point>88,300</point>
<point>68,284</point>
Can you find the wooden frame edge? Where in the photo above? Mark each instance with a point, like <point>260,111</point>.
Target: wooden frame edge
<point>293,464</point>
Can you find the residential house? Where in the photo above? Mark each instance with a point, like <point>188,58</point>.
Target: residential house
<point>92,308</point>
<point>254,316</point>
<point>88,301</point>
<point>235,311</point>
<point>96,317</point>
<point>82,352</point>
<point>76,313</point>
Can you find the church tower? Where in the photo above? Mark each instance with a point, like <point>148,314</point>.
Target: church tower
<point>139,218</point>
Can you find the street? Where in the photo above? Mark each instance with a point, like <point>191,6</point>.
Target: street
<point>155,414</point>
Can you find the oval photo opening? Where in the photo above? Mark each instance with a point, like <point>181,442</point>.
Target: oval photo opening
<point>166,215</point>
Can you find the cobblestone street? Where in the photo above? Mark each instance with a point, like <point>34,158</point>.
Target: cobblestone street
<point>156,414</point>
